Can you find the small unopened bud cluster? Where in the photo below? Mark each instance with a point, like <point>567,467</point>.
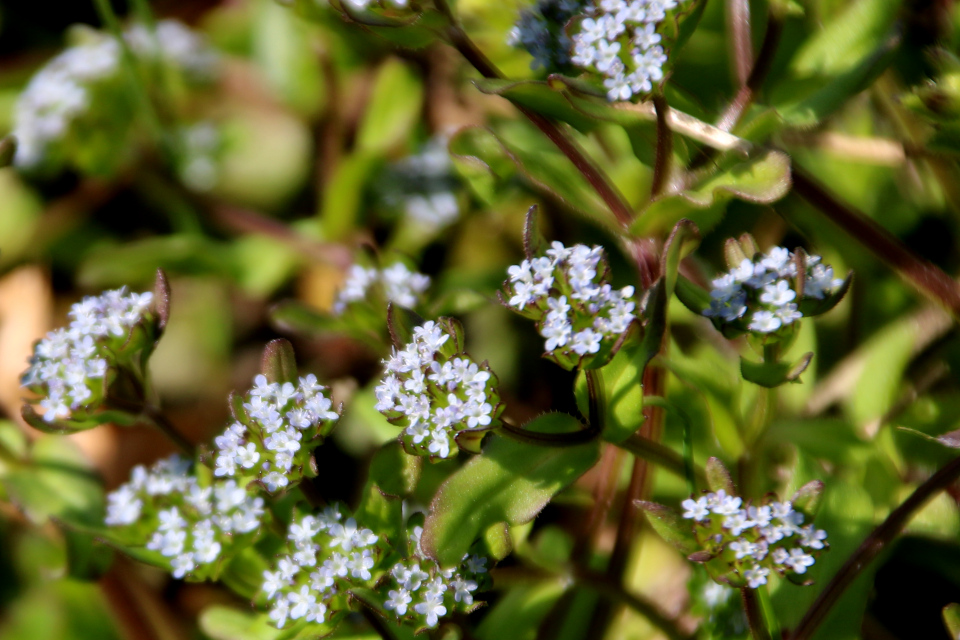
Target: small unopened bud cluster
<point>755,540</point>
<point>88,77</point>
<point>193,525</point>
<point>619,40</point>
<point>327,555</point>
<point>576,310</point>
<point>540,31</point>
<point>275,432</point>
<point>399,285</point>
<point>436,392</point>
<point>761,294</point>
<point>69,367</point>
<point>419,592</point>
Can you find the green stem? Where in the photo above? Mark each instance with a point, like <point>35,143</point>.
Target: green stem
<point>160,421</point>
<point>658,454</point>
<point>568,439</point>
<point>600,182</point>
<point>596,399</point>
<point>112,22</point>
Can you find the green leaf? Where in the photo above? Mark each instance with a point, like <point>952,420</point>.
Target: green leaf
<point>394,472</point>
<point>761,180</point>
<point>343,196</point>
<point>393,110</point>
<point>295,317</point>
<point>846,38</point>
<point>774,374</point>
<point>718,478</point>
<point>622,399</point>
<point>226,623</point>
<point>692,296</point>
<point>682,241</point>
<point>279,364</point>
<point>509,482</point>
<point>87,557</point>
<point>669,525</point>
<point>57,482</point>
<point>951,619</point>
<point>827,95</point>
<point>490,158</point>
<point>534,244</point>
<point>538,96</point>
<point>518,614</point>
<point>284,52</point>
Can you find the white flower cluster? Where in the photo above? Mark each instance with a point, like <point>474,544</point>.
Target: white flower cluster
<point>198,167</point>
<point>192,525</point>
<point>400,286</point>
<point>755,539</point>
<point>175,43</point>
<point>540,31</point>
<point>761,294</point>
<point>426,185</point>
<point>273,436</point>
<point>69,366</point>
<point>619,40</point>
<point>419,591</point>
<point>58,94</point>
<point>328,555</point>
<point>435,391</point>
<point>62,91</point>
<point>566,293</point>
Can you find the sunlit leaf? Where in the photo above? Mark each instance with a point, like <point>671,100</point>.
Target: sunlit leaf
<point>509,482</point>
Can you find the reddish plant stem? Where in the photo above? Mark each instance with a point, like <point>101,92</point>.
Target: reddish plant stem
<point>734,113</point>
<point>738,23</point>
<point>587,167</point>
<point>876,542</point>
<point>925,276</point>
<point>661,167</point>
<point>751,607</point>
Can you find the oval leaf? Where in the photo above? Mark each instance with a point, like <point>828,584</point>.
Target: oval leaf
<point>509,482</point>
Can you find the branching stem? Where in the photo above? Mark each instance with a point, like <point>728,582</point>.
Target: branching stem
<point>875,543</point>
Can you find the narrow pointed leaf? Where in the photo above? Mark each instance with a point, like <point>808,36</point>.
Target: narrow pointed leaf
<point>774,374</point>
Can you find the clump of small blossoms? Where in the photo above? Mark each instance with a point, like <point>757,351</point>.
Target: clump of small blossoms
<point>275,432</point>
<point>419,592</point>
<point>761,294</point>
<point>576,310</point>
<point>437,393</point>
<point>72,84</point>
<point>618,39</point>
<point>194,526</point>
<point>69,367</point>
<point>400,286</point>
<point>540,31</point>
<point>755,540</point>
<point>426,183</point>
<point>327,555</point>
